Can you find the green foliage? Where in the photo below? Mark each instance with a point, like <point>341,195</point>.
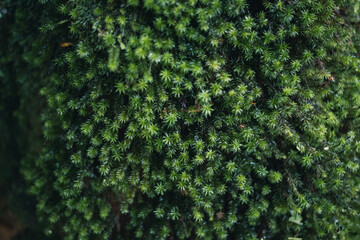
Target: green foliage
<point>24,63</point>
<point>199,119</point>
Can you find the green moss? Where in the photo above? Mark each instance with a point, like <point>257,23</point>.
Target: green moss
<point>199,119</point>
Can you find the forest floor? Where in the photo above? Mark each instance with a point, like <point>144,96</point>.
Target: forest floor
<point>9,224</point>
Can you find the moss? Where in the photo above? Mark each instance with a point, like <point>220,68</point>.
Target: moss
<point>199,119</point>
